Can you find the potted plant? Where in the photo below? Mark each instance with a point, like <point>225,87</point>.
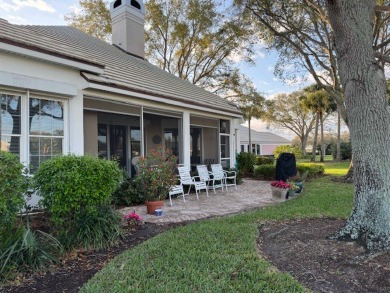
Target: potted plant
<point>156,174</point>
<point>298,181</point>
<point>280,189</point>
<point>293,189</point>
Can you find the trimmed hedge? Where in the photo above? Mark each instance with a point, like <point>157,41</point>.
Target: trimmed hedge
<point>262,160</point>
<point>265,172</point>
<point>312,169</point>
<point>245,163</point>
<point>70,184</point>
<point>13,186</point>
<point>288,149</point>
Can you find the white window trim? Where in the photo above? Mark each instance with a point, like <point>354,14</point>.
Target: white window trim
<point>24,127</point>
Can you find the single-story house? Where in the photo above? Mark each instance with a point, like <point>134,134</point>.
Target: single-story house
<point>263,142</point>
<point>63,91</point>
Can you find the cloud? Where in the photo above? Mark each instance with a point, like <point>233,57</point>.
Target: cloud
<point>16,5</point>
<point>16,19</point>
<point>262,82</point>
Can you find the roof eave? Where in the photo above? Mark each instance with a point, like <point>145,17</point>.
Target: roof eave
<point>50,56</point>
<point>144,94</point>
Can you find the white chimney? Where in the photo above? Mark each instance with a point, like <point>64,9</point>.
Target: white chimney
<point>128,25</point>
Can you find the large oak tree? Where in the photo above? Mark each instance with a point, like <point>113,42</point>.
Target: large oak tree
<point>364,85</point>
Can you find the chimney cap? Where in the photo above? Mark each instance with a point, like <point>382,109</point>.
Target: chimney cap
<point>136,5</point>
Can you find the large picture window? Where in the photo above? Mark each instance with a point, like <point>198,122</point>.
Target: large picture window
<point>32,127</point>
<point>46,130</point>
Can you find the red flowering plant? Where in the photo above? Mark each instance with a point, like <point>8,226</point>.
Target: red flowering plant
<point>133,219</point>
<point>280,184</point>
<point>156,173</point>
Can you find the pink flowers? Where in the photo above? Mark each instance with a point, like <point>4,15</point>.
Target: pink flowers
<point>133,219</point>
<point>133,216</point>
<point>280,184</point>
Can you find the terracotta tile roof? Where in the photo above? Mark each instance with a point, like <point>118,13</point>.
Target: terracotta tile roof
<point>121,70</point>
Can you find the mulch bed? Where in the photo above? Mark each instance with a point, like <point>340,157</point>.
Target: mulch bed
<point>298,247</point>
<point>77,268</point>
<point>302,249</point>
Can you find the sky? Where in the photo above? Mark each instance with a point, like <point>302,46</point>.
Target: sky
<point>49,12</point>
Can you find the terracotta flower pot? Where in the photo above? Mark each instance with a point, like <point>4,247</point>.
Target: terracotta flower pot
<point>151,206</point>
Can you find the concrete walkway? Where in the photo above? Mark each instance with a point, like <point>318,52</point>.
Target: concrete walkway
<point>249,195</point>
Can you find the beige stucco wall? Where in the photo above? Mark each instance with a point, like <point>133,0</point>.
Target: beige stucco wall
<point>90,133</point>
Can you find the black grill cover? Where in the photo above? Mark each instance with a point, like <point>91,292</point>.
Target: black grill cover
<point>285,166</point>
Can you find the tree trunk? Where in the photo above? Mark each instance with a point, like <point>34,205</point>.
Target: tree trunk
<point>338,147</point>
<point>314,152</point>
<point>322,153</point>
<point>369,122</point>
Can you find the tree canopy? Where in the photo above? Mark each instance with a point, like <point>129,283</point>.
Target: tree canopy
<point>196,40</point>
<point>286,110</point>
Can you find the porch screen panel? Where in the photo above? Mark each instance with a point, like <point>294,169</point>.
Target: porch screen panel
<point>10,121</point>
<point>102,141</point>
<point>46,130</point>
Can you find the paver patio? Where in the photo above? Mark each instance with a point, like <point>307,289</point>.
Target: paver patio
<point>250,194</point>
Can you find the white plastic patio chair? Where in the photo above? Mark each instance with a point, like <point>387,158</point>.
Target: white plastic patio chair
<point>219,176</point>
<point>176,189</point>
<point>186,179</point>
<point>228,175</point>
<point>204,175</point>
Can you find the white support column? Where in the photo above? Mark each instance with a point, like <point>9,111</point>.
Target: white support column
<point>186,139</point>
<point>76,124</point>
<point>141,126</point>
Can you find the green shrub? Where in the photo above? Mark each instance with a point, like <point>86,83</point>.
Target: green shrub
<point>345,151</point>
<point>73,184</point>
<point>265,172</point>
<point>13,186</point>
<point>311,169</point>
<point>97,229</point>
<point>262,160</point>
<point>245,162</point>
<point>288,149</point>
<point>129,192</point>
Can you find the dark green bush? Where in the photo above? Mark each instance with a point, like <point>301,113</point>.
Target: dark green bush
<point>97,229</point>
<point>13,187</point>
<point>311,169</point>
<point>265,172</point>
<point>345,151</point>
<point>26,250</point>
<point>261,160</point>
<point>129,192</point>
<point>73,184</point>
<point>245,163</point>
<point>288,149</point>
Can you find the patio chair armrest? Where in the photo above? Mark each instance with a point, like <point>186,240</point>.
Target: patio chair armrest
<point>229,172</point>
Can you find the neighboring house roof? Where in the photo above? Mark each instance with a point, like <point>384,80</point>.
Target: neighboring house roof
<point>263,137</point>
<point>121,70</point>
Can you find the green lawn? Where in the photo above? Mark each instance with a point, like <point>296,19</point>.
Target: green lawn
<point>220,255</point>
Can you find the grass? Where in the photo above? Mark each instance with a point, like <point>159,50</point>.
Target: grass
<point>219,255</point>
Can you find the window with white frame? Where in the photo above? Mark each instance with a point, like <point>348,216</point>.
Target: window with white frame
<point>224,131</point>
<point>46,130</point>
<point>32,127</point>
